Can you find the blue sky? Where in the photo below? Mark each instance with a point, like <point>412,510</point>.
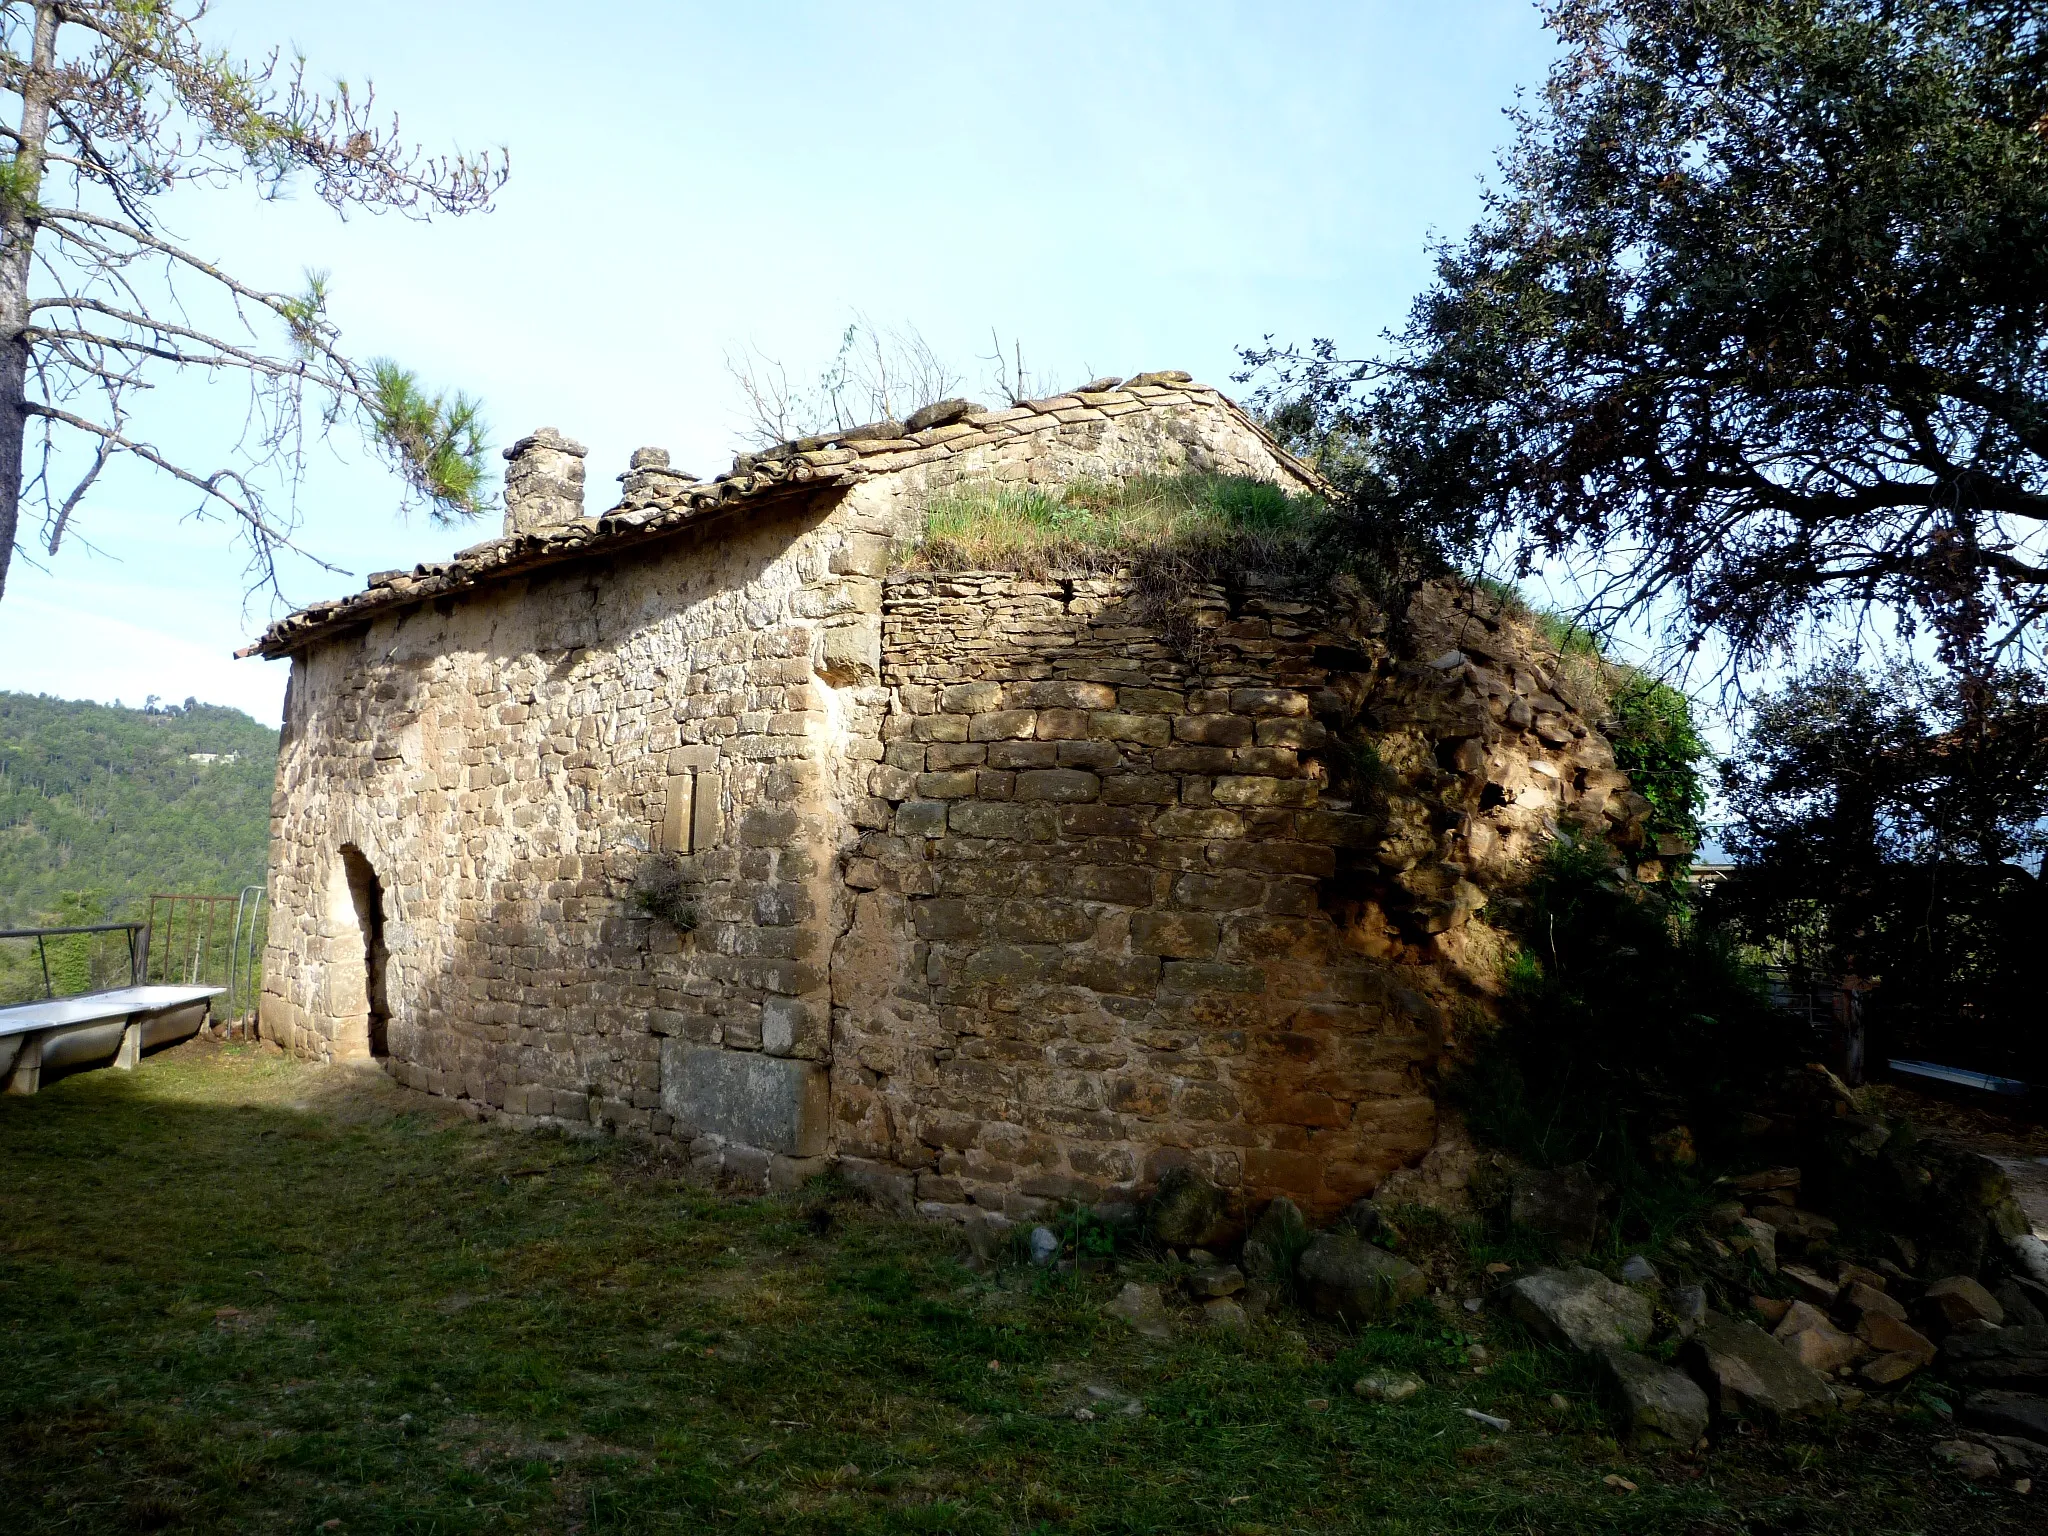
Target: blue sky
<point>1116,187</point>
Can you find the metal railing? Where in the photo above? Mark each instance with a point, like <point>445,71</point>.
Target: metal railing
<point>26,971</point>
<point>196,940</point>
<point>245,956</point>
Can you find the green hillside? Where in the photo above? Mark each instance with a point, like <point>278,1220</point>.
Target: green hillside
<point>107,804</point>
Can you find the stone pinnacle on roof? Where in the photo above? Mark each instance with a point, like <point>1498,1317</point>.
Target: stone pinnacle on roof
<point>543,482</point>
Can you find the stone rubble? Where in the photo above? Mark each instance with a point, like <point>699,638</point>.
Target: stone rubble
<point>1582,1309</point>
<point>1814,1341</point>
<point>1144,1309</point>
<point>1959,1300</point>
<point>1748,1372</point>
<point>1348,1278</point>
<point>1387,1386</point>
<point>1664,1409</point>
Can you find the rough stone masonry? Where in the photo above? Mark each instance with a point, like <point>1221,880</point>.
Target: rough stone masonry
<point>1005,891</point>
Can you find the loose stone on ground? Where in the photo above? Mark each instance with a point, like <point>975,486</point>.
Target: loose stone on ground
<point>1747,1371</point>
<point>1581,1308</point>
<point>1664,1408</point>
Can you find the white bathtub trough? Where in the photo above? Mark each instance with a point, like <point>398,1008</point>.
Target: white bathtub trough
<point>98,1029</point>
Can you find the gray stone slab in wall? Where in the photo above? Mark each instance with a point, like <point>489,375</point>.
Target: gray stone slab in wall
<point>772,1102</point>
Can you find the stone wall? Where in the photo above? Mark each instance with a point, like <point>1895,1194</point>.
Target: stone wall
<point>1005,891</point>
<point>481,753</point>
<point>506,763</point>
<point>1136,902</point>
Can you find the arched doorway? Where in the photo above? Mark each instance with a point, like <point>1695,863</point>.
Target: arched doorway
<point>367,896</point>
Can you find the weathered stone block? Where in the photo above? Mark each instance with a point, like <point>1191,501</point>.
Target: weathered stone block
<point>1213,730</point>
<point>1302,735</point>
<point>1140,789</point>
<point>1665,1409</point>
<point>850,652</point>
<point>1062,724</point>
<point>1014,755</point>
<point>1002,724</point>
<point>1268,701</point>
<point>943,755</point>
<point>956,785</point>
<point>1102,820</point>
<point>944,918</point>
<point>1243,789</point>
<point>1206,822</point>
<point>1219,893</point>
<point>1747,1371</point>
<point>1059,695</point>
<point>863,554</point>
<point>1061,786</point>
<point>1192,760</point>
<point>1123,886</point>
<point>1149,701</point>
<point>971,698</point>
<point>774,1103</point>
<point>1111,975</point>
<point>1207,976</point>
<point>1002,965</point>
<point>793,1026</point>
<point>1347,1277</point>
<point>1140,730</point>
<point>1181,935</point>
<point>1581,1308</point>
<point>1041,922</point>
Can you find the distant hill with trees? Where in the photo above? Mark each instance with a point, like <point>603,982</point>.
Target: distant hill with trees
<point>100,805</point>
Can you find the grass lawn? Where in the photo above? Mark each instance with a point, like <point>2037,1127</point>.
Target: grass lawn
<point>244,1294</point>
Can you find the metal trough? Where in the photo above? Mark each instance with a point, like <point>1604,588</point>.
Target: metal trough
<point>97,1029</point>
<point>1959,1077</point>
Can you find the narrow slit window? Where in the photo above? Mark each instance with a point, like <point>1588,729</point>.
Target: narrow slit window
<point>693,817</point>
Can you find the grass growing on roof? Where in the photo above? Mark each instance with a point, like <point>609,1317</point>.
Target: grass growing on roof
<point>1093,525</point>
<point>245,1294</point>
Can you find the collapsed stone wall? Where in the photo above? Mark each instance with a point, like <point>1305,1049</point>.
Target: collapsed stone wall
<point>1138,902</point>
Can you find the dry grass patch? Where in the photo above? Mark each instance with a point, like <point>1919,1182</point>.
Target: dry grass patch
<point>1100,525</point>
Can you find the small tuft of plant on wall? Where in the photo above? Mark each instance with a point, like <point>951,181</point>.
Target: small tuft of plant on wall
<point>661,891</point>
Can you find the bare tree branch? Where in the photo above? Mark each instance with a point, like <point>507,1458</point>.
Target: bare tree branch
<point>119,102</point>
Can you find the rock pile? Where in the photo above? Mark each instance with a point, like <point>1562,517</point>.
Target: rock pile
<point>1923,1265</point>
<point>1843,1327</point>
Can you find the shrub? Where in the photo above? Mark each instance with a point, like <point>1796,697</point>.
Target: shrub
<point>1627,1015</point>
<point>663,893</point>
<point>1658,745</point>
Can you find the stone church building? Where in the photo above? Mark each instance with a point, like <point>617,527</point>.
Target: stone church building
<point>1004,890</point>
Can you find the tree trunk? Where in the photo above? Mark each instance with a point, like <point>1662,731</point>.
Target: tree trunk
<point>17,246</point>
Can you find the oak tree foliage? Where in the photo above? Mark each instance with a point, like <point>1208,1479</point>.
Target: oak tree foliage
<point>113,104</point>
<point>1889,826</point>
<point>1755,322</point>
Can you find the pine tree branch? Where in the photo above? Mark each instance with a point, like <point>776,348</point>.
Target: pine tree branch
<point>248,508</point>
